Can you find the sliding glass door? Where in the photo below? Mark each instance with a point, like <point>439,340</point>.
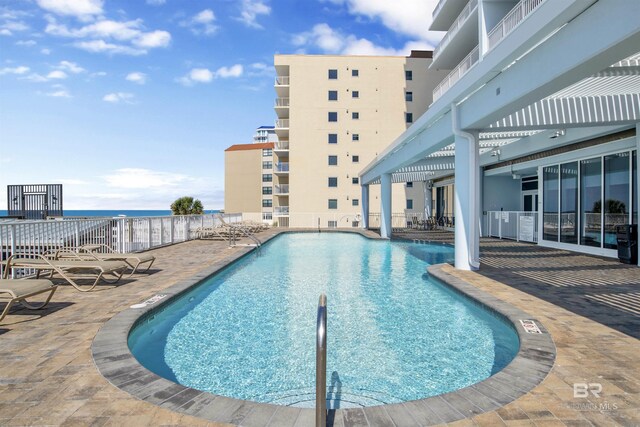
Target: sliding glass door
<point>591,203</point>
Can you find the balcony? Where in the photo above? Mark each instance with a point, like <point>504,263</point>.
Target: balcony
<point>281,168</point>
<point>281,86</point>
<point>282,108</point>
<point>282,103</point>
<point>445,13</point>
<point>282,124</point>
<point>518,14</point>
<point>281,211</point>
<point>281,147</point>
<point>456,74</point>
<point>461,37</point>
<point>281,190</point>
<point>282,81</point>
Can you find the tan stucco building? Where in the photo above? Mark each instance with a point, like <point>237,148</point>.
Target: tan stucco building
<point>248,173</point>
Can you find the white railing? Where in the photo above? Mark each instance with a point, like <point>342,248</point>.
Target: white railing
<point>282,123</point>
<point>514,225</point>
<point>281,189</point>
<point>126,234</point>
<point>281,145</point>
<point>282,167</point>
<point>281,210</point>
<point>282,81</point>
<point>282,102</point>
<point>457,73</point>
<point>511,21</point>
<point>455,27</point>
<point>438,7</point>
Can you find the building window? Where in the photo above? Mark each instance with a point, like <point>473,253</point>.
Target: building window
<point>333,116</point>
<point>355,159</point>
<point>408,117</point>
<point>267,152</point>
<point>355,94</point>
<point>267,177</point>
<point>409,203</point>
<point>355,115</point>
<point>355,180</point>
<point>267,165</point>
<point>333,160</point>
<point>333,74</point>
<point>355,137</point>
<point>332,224</point>
<point>267,216</point>
<point>355,73</point>
<point>333,203</point>
<point>333,138</point>
<point>333,95</point>
<point>267,190</point>
<point>333,181</point>
<point>408,75</point>
<point>355,202</point>
<point>267,203</point>
<point>410,184</point>
<point>408,96</point>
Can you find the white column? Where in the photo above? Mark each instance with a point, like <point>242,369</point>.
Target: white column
<point>364,203</point>
<point>483,39</point>
<point>428,198</point>
<point>638,174</point>
<point>467,186</point>
<point>385,206</point>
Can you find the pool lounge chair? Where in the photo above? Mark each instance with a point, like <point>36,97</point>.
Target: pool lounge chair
<point>106,253</point>
<point>20,290</point>
<point>65,267</point>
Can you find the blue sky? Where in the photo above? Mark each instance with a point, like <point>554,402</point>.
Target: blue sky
<point>131,103</point>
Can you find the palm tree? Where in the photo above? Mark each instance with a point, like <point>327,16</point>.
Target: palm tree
<point>187,206</point>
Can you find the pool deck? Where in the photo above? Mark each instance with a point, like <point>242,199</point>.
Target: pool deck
<point>590,306</point>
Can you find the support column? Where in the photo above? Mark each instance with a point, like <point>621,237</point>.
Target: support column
<point>385,206</point>
<point>428,199</point>
<point>364,203</point>
<point>467,206</point>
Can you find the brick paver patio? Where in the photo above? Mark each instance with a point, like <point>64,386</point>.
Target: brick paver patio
<point>588,304</point>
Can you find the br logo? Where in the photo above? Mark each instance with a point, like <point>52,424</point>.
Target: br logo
<point>582,390</point>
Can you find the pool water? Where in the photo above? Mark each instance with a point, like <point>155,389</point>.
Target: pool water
<point>393,333</point>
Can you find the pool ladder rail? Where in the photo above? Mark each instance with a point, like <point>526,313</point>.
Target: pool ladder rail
<point>243,233</point>
<point>321,363</point>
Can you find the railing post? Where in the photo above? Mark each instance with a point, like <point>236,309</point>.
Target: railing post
<point>161,230</point>
<point>517,226</point>
<point>13,246</point>
<point>150,228</point>
<point>172,229</point>
<point>76,243</point>
<point>321,363</point>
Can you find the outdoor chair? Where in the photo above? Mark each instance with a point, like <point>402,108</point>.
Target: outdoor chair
<point>65,267</point>
<point>103,252</point>
<point>20,290</point>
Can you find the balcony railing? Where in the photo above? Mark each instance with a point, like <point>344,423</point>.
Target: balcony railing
<point>282,167</point>
<point>281,145</point>
<point>518,14</point>
<point>281,210</point>
<point>455,27</point>
<point>282,81</point>
<point>281,189</point>
<point>282,102</point>
<point>282,123</point>
<point>438,7</point>
<point>456,74</point>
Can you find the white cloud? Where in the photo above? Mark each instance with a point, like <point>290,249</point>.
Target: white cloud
<point>204,75</point>
<point>45,51</point>
<point>81,9</point>
<point>156,2</point>
<point>233,71</point>
<point>153,39</point>
<point>8,27</point>
<point>100,46</point>
<point>70,181</point>
<point>251,10</point>
<point>137,77</point>
<point>130,178</point>
<point>27,43</point>
<point>14,70</point>
<point>36,78</point>
<point>57,74</point>
<point>202,23</point>
<point>118,97</point>
<point>62,93</point>
<point>71,67</point>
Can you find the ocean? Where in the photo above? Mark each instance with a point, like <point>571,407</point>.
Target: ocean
<point>112,213</point>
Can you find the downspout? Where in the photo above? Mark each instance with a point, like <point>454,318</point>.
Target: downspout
<point>474,258</point>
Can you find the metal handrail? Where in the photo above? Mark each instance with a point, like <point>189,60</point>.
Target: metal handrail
<point>321,363</point>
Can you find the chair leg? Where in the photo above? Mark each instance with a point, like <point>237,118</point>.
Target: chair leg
<point>41,305</point>
<point>6,309</point>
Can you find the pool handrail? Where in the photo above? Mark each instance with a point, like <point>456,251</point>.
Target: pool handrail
<point>321,363</point>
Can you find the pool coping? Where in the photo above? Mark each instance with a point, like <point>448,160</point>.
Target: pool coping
<point>530,366</point>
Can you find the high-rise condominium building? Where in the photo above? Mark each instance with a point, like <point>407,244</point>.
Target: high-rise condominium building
<point>265,134</point>
<point>335,114</point>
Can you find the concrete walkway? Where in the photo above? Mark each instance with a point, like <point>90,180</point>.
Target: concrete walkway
<point>588,304</point>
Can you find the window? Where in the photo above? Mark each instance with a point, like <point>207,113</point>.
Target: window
<point>333,203</point>
<point>267,203</point>
<point>333,74</point>
<point>333,95</point>
<point>409,184</point>
<point>355,159</point>
<point>408,117</point>
<point>333,181</point>
<point>333,160</point>
<point>355,73</point>
<point>267,216</point>
<point>569,202</point>
<point>355,180</point>
<point>333,138</point>
<point>267,190</point>
<point>590,201</point>
<point>267,177</point>
<point>409,203</point>
<point>408,96</point>
<point>333,116</point>
<point>355,94</point>
<point>355,115</point>
<point>332,224</point>
<point>267,165</point>
<point>355,202</point>
<point>355,137</point>
<point>408,75</point>
<point>267,152</point>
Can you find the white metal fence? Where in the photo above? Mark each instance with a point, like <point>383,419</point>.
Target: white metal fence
<point>514,225</point>
<point>126,234</point>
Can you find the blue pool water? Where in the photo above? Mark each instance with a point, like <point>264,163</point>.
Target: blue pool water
<point>393,334</point>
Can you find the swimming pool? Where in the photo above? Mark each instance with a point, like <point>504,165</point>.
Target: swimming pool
<point>248,332</point>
